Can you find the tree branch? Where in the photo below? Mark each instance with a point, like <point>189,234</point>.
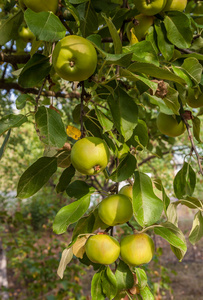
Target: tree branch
<point>151,157</point>
<point>14,59</point>
<point>8,86</point>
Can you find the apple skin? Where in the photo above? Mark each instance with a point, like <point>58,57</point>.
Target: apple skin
<point>192,101</point>
<point>74,58</point>
<point>115,210</point>
<point>168,125</point>
<point>150,7</point>
<point>26,35</point>
<point>127,190</point>
<point>90,155</point>
<point>141,29</point>
<point>102,249</point>
<point>179,5</point>
<point>41,5</point>
<point>137,249</point>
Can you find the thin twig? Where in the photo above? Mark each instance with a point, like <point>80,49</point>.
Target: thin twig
<point>39,94</point>
<point>82,110</point>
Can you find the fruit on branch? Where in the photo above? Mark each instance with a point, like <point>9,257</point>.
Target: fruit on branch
<point>115,210</point>
<point>150,7</point>
<point>139,26</point>
<point>74,58</point>
<point>26,34</point>
<point>90,155</point>
<point>127,190</point>
<point>168,125</point>
<point>40,5</point>
<point>175,5</point>
<point>102,249</point>
<point>137,249</point>
<point>193,100</point>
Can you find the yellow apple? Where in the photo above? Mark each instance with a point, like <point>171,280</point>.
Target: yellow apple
<point>127,190</point>
<point>168,125</point>
<point>175,5</point>
<point>74,58</point>
<point>137,249</point>
<point>149,7</point>
<point>102,249</point>
<point>90,155</point>
<point>26,34</point>
<point>41,5</point>
<point>140,26</point>
<point>115,210</point>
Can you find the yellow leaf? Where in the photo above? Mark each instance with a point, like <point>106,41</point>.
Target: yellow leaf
<point>133,38</point>
<point>66,257</point>
<point>73,132</point>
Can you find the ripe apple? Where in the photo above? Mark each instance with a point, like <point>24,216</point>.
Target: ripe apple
<point>127,190</point>
<point>150,7</point>
<point>40,5</point>
<point>137,249</point>
<point>74,58</point>
<point>26,34</point>
<point>90,155</point>
<point>168,125</point>
<point>102,249</point>
<point>140,26</point>
<point>115,209</point>
<point>175,5</point>
<point>193,100</point>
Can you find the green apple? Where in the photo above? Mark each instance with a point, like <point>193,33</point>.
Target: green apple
<point>41,5</point>
<point>175,5</point>
<point>102,249</point>
<point>140,26</point>
<point>137,249</point>
<point>26,34</point>
<point>115,210</point>
<point>127,190</point>
<point>193,100</point>
<point>74,58</point>
<point>150,7</point>
<point>90,155</point>
<point>168,125</point>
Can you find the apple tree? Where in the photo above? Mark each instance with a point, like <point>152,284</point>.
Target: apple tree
<point>108,86</point>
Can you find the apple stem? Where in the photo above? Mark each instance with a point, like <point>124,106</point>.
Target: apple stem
<point>132,227</point>
<point>72,63</point>
<point>148,1</point>
<point>97,168</point>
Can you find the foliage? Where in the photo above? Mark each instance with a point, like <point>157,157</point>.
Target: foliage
<point>119,103</point>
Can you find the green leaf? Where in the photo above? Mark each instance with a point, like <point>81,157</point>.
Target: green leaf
<point>190,202</point>
<point>73,11</point>
<point>160,187</point>
<point>182,73</point>
<point>105,122</point>
<point>11,121</point>
<point>171,213</point>
<point>46,26</point>
<point>160,103</point>
<point>84,225</point>
<point>171,100</point>
<point>124,276</point>
<point>50,127</point>
<point>125,169</point>
<point>179,30</point>
<point>196,128</point>
<point>114,34</point>
<point>96,286</point>
<point>135,77</point>
<point>166,48</point>
<point>140,135</point>
<point>142,52</point>
<point>36,176</point>
<point>22,99</point>
<point>88,19</point>
<point>5,142</point>
<point>185,181</point>
<point>155,72</point>
<point>193,68</point>
<point>141,277</point>
<point>147,207</point>
<point>35,70</point>
<point>109,283</point>
<point>196,232</point>
<point>65,179</point>
<point>124,112</point>
<point>146,294</point>
<point>9,27</point>
<point>174,236</point>
<point>70,214</point>
<point>78,189</point>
